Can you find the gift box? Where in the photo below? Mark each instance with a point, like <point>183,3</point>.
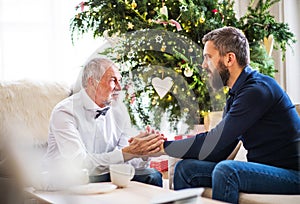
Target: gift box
<point>180,137</point>
<point>159,164</point>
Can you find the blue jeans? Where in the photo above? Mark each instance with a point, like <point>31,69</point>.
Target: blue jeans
<point>227,178</point>
<point>147,176</point>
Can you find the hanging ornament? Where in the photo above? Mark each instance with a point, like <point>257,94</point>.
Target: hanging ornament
<point>153,102</point>
<point>169,98</point>
<point>162,86</point>
<point>188,72</point>
<point>118,56</point>
<point>133,4</point>
<point>164,10</point>
<point>130,25</point>
<point>218,97</point>
<point>158,38</point>
<point>81,6</point>
<point>183,8</point>
<point>202,18</point>
<point>215,11</point>
<point>175,90</point>
<point>130,54</point>
<point>163,47</point>
<point>269,43</point>
<point>186,110</point>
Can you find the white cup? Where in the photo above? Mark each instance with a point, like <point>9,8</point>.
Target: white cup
<point>121,174</point>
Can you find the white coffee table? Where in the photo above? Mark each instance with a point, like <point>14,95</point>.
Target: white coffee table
<point>135,193</point>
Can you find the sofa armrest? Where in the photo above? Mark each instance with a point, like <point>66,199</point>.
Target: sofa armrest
<point>235,151</point>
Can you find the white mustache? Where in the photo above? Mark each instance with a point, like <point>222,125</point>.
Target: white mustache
<point>116,93</point>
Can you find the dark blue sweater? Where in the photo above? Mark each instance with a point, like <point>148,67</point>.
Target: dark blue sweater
<point>259,113</point>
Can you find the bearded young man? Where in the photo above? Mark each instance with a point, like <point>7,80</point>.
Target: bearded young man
<point>258,112</point>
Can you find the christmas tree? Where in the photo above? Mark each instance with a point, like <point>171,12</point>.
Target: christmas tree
<point>159,44</point>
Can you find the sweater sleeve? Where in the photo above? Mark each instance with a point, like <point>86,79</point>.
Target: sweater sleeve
<point>248,106</point>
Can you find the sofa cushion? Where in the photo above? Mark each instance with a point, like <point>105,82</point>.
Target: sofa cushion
<point>26,107</point>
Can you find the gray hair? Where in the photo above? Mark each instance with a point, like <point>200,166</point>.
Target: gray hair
<point>95,68</point>
<point>230,39</point>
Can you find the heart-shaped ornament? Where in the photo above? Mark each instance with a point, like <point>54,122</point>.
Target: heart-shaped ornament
<point>162,86</point>
<point>269,43</point>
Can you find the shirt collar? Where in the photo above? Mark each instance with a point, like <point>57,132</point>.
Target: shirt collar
<point>240,80</point>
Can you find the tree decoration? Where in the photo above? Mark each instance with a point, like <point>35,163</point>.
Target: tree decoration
<point>162,86</point>
<point>188,72</point>
<point>164,10</point>
<point>133,4</point>
<point>163,36</point>
<point>130,26</point>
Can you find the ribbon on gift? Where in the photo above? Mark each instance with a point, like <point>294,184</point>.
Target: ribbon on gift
<point>159,164</point>
<point>81,4</point>
<point>171,22</point>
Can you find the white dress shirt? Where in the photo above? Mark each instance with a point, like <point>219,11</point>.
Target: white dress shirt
<point>76,136</point>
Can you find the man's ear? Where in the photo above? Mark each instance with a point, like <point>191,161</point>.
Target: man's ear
<point>229,59</point>
<point>92,82</point>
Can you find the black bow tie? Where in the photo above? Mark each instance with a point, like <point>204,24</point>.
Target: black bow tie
<point>101,112</point>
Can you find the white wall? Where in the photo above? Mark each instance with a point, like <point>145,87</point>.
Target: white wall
<point>35,41</point>
<point>292,64</point>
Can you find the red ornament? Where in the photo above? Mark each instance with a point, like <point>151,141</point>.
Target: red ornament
<point>215,11</point>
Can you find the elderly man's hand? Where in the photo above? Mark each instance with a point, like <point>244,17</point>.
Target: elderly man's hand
<point>143,144</point>
<point>148,131</point>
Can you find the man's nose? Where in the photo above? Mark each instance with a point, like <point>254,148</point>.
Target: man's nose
<point>204,64</point>
<point>118,86</point>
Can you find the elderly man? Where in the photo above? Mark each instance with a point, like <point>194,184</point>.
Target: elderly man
<point>86,132</point>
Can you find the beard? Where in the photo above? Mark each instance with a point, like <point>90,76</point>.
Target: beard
<point>224,73</point>
<point>219,76</point>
